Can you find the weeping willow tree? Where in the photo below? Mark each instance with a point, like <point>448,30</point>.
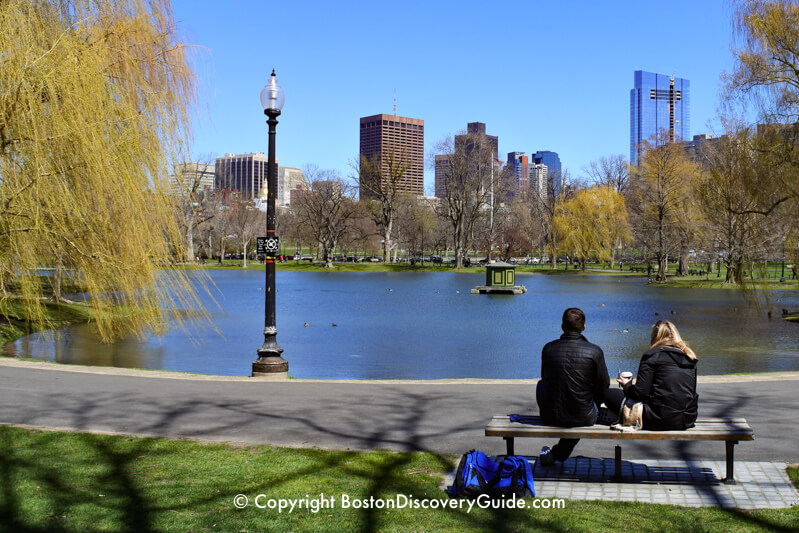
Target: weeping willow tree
<point>93,111</point>
<point>592,221</point>
<point>766,72</point>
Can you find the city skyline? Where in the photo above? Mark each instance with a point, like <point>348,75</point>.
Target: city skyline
<point>335,70</point>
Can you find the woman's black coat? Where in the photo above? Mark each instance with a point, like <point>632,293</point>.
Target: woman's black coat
<point>666,384</point>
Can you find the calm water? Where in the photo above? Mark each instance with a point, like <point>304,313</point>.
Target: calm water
<point>420,326</point>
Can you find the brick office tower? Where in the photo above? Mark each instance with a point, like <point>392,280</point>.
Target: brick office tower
<point>403,137</point>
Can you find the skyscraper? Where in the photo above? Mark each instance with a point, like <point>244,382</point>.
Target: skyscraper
<point>658,103</point>
<point>288,179</point>
<point>553,173</point>
<point>245,173</point>
<point>540,181</point>
<point>518,165</point>
<point>478,129</point>
<point>402,137</point>
<point>464,145</point>
<point>442,170</point>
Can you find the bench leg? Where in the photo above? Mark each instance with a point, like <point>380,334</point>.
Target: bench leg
<point>617,471</point>
<point>730,479</point>
<point>509,443</point>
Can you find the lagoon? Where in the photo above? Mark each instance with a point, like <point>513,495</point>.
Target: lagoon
<point>428,326</point>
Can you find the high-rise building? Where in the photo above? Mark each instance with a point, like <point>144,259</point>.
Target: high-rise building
<point>554,173</point>
<point>192,178</point>
<point>401,137</point>
<point>245,173</point>
<point>658,104</point>
<point>442,170</point>
<point>519,168</point>
<point>478,129</point>
<point>539,179</point>
<point>289,179</point>
<point>464,144</point>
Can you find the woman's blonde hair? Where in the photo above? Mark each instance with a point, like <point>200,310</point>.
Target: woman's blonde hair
<point>664,333</point>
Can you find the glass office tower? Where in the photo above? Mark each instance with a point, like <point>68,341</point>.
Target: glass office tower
<point>658,103</point>
<point>552,161</point>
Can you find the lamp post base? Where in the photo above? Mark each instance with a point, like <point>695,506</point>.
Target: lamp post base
<point>270,367</point>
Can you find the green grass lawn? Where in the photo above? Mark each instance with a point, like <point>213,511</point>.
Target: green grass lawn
<point>52,481</point>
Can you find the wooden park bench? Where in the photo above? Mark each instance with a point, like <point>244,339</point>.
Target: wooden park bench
<point>730,430</point>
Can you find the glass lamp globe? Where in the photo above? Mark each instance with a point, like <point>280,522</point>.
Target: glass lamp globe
<point>272,96</point>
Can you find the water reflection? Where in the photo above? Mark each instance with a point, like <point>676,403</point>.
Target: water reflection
<point>418,326</point>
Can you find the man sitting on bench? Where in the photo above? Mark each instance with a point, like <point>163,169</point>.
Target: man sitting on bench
<point>574,382</point>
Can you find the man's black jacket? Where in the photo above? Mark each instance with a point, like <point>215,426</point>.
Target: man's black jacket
<point>666,383</point>
<point>574,377</point>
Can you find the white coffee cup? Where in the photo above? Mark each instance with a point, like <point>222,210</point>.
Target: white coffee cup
<point>626,375</point>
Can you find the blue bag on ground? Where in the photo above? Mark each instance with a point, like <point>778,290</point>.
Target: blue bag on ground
<point>479,474</point>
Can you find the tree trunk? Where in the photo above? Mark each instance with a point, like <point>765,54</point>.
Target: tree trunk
<point>244,262</point>
<point>735,272</point>
<point>190,239</point>
<point>682,266</point>
<point>57,282</point>
<point>326,256</point>
<point>387,244</point>
<point>663,265</point>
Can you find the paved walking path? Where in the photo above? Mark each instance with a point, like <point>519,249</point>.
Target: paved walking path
<point>760,485</point>
<point>441,417</point>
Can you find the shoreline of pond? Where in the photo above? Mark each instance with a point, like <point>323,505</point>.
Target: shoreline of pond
<point>19,362</point>
<point>690,282</point>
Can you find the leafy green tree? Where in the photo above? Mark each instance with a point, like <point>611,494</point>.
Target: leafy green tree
<point>729,171</point>
<point>93,114</point>
<point>767,72</point>
<point>663,190</point>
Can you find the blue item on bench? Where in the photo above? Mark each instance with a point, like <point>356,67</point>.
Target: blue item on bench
<point>479,474</point>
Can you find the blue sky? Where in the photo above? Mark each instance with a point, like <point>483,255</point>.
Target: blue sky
<point>541,75</point>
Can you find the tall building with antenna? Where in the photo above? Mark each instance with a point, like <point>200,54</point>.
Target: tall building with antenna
<point>658,103</point>
<point>401,137</point>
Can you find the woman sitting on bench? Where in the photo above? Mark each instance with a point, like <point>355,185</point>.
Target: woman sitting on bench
<point>666,382</point>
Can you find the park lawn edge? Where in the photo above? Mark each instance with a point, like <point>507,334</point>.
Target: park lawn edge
<point>82,481</point>
<point>694,282</point>
<point>59,314</point>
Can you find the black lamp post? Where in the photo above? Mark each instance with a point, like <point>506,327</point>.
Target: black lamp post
<point>269,362</point>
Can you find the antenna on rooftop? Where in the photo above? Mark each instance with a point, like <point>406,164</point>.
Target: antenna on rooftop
<point>395,102</point>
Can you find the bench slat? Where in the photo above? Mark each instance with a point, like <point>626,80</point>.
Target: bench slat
<point>706,429</point>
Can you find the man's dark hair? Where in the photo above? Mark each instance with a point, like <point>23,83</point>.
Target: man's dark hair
<point>573,320</point>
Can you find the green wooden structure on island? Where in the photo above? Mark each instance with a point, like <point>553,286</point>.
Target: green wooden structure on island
<point>500,279</point>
